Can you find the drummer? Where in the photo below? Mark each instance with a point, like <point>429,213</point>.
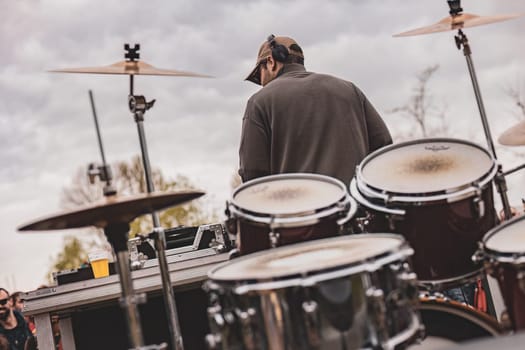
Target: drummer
<point>302,121</point>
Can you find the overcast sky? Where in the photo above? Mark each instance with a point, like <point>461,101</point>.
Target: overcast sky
<point>46,124</point>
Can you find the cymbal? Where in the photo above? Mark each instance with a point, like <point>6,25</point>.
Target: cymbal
<point>111,210</point>
<point>463,20</point>
<point>514,136</point>
<point>130,68</point>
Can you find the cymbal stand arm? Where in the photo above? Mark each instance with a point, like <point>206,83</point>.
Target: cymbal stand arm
<point>159,235</point>
<point>513,170</point>
<point>104,171</point>
<point>501,186</point>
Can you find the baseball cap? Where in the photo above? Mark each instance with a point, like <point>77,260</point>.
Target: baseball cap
<point>265,50</point>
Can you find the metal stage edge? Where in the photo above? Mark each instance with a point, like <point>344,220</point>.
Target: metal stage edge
<point>185,269</point>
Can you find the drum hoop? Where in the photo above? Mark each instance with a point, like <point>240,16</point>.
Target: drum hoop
<point>487,254</point>
<point>447,283</point>
<point>279,220</point>
<point>314,276</point>
<point>448,196</point>
<point>362,200</point>
<point>459,309</point>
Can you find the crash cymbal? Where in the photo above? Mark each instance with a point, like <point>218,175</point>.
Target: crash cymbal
<point>514,136</point>
<point>130,68</point>
<point>459,21</point>
<point>112,210</point>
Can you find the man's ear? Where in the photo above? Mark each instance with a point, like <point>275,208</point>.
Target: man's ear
<point>273,63</point>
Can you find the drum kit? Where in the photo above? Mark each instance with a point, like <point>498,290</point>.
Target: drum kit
<point>320,265</point>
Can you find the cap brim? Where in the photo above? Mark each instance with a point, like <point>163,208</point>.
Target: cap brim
<point>254,75</point>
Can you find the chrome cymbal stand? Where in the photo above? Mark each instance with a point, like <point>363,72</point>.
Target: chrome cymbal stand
<point>117,235</point>
<point>138,106</point>
<point>462,42</point>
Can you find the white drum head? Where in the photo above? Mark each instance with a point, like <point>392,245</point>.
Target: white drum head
<point>307,257</point>
<point>509,239</point>
<point>426,167</point>
<point>289,194</point>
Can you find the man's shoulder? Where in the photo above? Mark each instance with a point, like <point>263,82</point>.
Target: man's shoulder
<point>332,78</point>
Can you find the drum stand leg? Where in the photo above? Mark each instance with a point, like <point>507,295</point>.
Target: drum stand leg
<point>501,185</point>
<point>117,236</point>
<point>138,107</point>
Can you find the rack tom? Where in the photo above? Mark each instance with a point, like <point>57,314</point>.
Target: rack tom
<point>435,192</point>
<point>282,209</point>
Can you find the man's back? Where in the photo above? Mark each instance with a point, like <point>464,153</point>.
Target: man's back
<point>307,122</point>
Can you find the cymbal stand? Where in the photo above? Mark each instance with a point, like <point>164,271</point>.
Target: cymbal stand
<point>462,42</point>
<point>138,106</point>
<point>103,171</point>
<point>117,234</point>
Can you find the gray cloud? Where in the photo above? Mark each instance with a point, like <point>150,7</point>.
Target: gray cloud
<point>46,123</point>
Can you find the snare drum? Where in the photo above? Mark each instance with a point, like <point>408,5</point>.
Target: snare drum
<point>435,192</point>
<point>344,292</point>
<point>503,251</point>
<point>281,209</point>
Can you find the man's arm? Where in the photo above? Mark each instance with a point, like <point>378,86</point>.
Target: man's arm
<point>378,133</point>
<point>254,150</point>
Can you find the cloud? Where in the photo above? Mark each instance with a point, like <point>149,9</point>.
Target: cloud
<point>47,126</point>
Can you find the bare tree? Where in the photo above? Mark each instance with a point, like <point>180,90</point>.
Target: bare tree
<point>429,120</point>
<point>517,96</point>
<point>129,179</point>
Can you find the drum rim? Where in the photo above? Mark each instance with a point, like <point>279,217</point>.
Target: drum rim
<point>439,303</point>
<point>448,195</point>
<point>318,274</point>
<point>292,218</point>
<point>485,253</point>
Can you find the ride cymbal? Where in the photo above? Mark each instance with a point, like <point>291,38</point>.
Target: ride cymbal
<point>130,68</point>
<point>514,136</point>
<point>111,210</point>
<point>459,21</point>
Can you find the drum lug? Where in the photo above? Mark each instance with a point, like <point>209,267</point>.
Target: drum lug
<point>312,322</point>
<point>521,280</point>
<point>391,224</point>
<point>247,331</point>
<point>217,323</point>
<point>479,255</point>
<point>363,222</point>
<point>377,311</point>
<point>213,341</point>
<point>478,207</point>
<point>409,284</point>
<point>274,238</point>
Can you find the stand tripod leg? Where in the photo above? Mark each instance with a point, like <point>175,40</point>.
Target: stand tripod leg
<point>160,245</point>
<point>117,236</point>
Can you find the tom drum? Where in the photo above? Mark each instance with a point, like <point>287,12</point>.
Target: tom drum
<point>435,192</point>
<point>503,252</point>
<point>282,209</point>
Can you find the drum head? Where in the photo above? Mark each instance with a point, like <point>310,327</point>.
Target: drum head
<point>289,194</point>
<point>307,258</point>
<point>508,238</point>
<point>426,166</point>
